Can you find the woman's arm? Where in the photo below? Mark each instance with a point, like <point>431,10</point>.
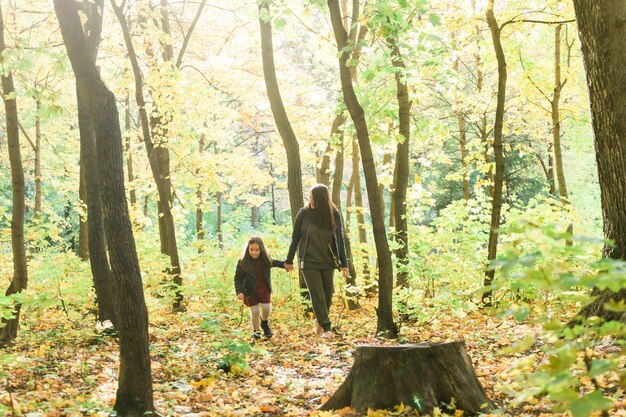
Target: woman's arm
<point>341,246</point>
<point>296,235</point>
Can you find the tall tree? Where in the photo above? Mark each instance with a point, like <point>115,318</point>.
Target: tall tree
<point>98,259</point>
<point>134,393</point>
<point>401,169</point>
<point>556,125</point>
<point>20,265</point>
<point>294,169</point>
<point>603,44</point>
<point>496,202</point>
<point>154,134</point>
<point>386,325</point>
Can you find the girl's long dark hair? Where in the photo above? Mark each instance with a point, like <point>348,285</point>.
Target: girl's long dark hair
<point>246,259</point>
<point>323,215</point>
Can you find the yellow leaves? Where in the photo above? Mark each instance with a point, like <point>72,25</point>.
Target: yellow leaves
<point>204,383</point>
<point>41,351</point>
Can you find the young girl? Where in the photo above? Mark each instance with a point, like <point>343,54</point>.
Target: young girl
<point>253,284</point>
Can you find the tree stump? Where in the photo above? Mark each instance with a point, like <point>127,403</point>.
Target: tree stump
<point>423,376</point>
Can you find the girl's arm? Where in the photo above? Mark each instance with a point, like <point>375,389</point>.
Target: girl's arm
<point>277,264</point>
<point>239,279</point>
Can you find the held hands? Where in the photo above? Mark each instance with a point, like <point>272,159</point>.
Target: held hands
<point>240,296</point>
<point>345,272</point>
<point>288,267</point>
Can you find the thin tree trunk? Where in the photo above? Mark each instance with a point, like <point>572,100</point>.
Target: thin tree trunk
<point>294,170</point>
<point>218,203</point>
<point>385,325</point>
<point>38,173</point>
<point>401,170</point>
<point>556,127</point>
<point>359,212</point>
<point>254,218</point>
<point>604,54</point>
<point>550,175</point>
<point>134,393</point>
<point>496,204</point>
<point>83,229</point>
<point>484,134</point>
<point>462,142</point>
<point>129,153</point>
<point>158,156</point>
<point>338,172</point>
<point>20,266</point>
<point>200,197</point>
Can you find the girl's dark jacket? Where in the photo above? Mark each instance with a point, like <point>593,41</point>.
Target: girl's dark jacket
<point>300,236</point>
<point>245,281</point>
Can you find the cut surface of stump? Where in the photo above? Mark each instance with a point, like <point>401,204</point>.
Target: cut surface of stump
<point>423,376</point>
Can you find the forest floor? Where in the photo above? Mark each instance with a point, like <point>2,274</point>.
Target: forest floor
<point>61,367</point>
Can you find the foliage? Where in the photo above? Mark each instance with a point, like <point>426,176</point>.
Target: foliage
<point>578,366</point>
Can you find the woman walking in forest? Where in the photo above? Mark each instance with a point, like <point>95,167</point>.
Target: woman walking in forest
<point>318,237</point>
<point>253,285</point>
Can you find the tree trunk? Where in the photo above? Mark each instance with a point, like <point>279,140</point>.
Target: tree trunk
<point>496,204</point>
<point>134,393</point>
<point>385,325</point>
<point>462,142</point>
<point>550,175</point>
<point>339,166</point>
<point>603,45</point>
<point>218,202</point>
<point>423,376</point>
<point>254,217</point>
<point>129,153</point>
<point>401,170</point>
<point>483,120</point>
<point>20,265</point>
<point>83,229</point>
<point>158,156</point>
<point>98,260</point>
<point>294,170</point>
<point>360,217</point>
<point>200,197</point>
<point>38,173</point>
<point>556,127</point>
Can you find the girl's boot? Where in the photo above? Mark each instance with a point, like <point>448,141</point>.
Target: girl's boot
<point>267,332</point>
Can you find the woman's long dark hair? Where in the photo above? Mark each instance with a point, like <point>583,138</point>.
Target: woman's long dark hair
<point>246,259</point>
<point>323,215</point>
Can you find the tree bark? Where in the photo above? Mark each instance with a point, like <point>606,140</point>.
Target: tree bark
<point>294,169</point>
<point>462,142</point>
<point>358,211</point>
<point>129,151</point>
<point>496,204</point>
<point>484,134</point>
<point>556,127</point>
<point>423,376</point>
<point>98,259</point>
<point>385,326</point>
<point>83,229</point>
<point>401,169</point>
<point>38,174</point>
<point>158,156</point>
<point>18,247</point>
<point>134,393</point>
<point>603,45</point>
<point>200,197</point>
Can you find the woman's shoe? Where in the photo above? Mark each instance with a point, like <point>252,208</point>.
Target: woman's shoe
<point>318,329</point>
<point>327,335</point>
